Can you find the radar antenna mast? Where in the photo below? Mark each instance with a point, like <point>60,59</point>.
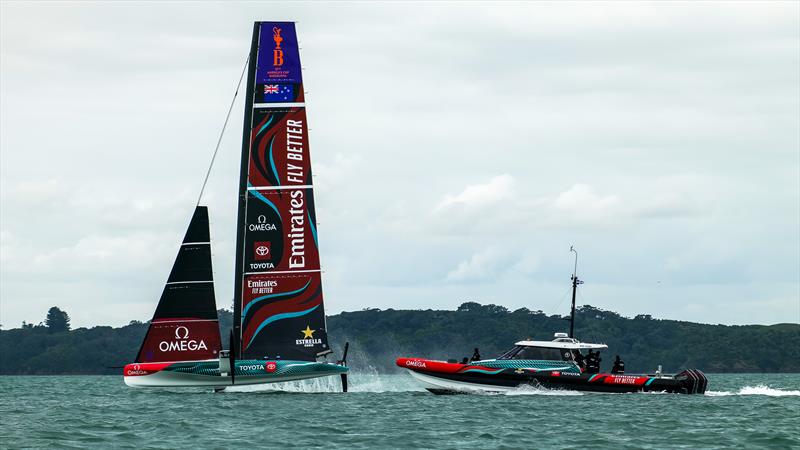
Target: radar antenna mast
<point>575,283</point>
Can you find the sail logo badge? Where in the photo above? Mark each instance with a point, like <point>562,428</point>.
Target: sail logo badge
<point>135,370</point>
<point>277,53</point>
<point>178,332</point>
<point>182,342</point>
<point>262,225</point>
<point>262,250</point>
<point>261,287</point>
<point>308,338</point>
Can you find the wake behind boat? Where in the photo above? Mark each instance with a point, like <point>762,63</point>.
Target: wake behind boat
<point>279,332</point>
<point>556,364</point>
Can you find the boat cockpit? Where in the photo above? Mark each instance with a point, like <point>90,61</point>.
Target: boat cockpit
<point>562,348</point>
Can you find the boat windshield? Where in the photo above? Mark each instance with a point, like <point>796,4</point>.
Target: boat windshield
<point>540,353</point>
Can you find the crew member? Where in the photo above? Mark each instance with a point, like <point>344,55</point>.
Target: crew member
<point>579,359</point>
<point>619,366</point>
<point>476,356</point>
<point>590,361</point>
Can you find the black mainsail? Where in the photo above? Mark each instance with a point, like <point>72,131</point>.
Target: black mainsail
<point>184,326</point>
<point>278,307</point>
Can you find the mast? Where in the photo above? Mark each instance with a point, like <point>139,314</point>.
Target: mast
<point>242,197</point>
<point>575,283</point>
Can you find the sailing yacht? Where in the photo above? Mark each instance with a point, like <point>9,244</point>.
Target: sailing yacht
<point>279,330</point>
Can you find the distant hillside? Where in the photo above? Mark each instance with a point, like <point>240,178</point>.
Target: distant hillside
<point>378,337</point>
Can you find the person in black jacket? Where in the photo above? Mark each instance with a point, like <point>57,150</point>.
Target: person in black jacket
<point>619,366</point>
<point>477,355</point>
<point>576,354</point>
<point>590,362</point>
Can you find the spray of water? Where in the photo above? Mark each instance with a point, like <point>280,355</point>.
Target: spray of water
<point>756,390</point>
<point>536,390</point>
<point>365,380</point>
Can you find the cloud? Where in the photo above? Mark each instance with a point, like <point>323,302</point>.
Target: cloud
<point>581,205</point>
<point>493,263</point>
<point>581,198</point>
<point>480,266</point>
<point>498,189</point>
<point>331,174</point>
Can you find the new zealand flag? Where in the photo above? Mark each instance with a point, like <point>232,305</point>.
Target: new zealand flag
<point>278,93</point>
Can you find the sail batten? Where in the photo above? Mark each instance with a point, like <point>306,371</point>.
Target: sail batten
<point>278,302</point>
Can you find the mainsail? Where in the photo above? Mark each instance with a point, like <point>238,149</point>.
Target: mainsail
<point>278,309</point>
<point>185,326</point>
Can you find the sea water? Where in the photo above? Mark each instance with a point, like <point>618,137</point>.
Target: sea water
<point>393,411</point>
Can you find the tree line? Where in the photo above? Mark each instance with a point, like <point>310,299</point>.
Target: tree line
<point>377,337</point>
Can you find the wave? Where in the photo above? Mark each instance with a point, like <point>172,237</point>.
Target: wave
<point>756,390</point>
<point>372,382</point>
<point>533,390</point>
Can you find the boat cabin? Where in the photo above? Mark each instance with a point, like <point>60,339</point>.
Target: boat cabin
<point>562,348</point>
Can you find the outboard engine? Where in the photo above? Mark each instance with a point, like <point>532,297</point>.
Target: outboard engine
<point>694,381</point>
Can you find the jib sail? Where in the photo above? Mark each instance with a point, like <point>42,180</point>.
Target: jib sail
<point>278,307</point>
<point>184,326</point>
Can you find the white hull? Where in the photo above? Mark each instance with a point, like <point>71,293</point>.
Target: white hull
<point>431,382</point>
<point>178,379</point>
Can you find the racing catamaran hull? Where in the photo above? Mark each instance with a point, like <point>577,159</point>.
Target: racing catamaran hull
<point>207,374</point>
<point>441,377</point>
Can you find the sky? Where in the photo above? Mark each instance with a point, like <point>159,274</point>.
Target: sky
<point>459,149</point>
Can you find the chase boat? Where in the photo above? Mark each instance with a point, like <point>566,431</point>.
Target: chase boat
<point>548,364</point>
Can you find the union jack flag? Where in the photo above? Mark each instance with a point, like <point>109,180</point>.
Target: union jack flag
<point>270,88</point>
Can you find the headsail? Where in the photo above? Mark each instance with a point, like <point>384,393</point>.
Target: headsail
<point>185,326</point>
<point>278,307</point>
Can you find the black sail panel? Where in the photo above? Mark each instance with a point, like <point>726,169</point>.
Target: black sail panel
<point>184,326</point>
<point>278,304</point>
<point>198,230</point>
<point>192,263</point>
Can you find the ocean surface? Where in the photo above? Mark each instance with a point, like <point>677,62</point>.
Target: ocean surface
<point>392,411</point>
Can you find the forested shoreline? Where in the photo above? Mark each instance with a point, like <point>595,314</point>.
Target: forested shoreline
<point>377,337</point>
